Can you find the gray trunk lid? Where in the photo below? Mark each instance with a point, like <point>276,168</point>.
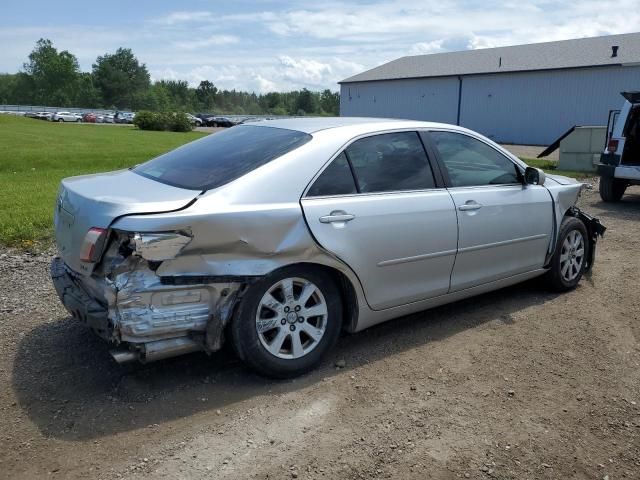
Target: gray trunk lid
<point>96,200</point>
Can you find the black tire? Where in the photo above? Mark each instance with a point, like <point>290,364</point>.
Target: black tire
<point>244,333</point>
<point>612,189</point>
<point>555,278</point>
<point>61,120</point>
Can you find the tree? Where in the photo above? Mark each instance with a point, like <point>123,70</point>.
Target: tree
<point>206,94</point>
<point>54,74</point>
<point>306,102</point>
<point>121,78</point>
<point>330,102</point>
<point>178,92</point>
<point>8,84</point>
<point>86,94</point>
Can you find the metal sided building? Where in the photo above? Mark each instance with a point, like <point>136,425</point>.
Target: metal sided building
<point>523,94</point>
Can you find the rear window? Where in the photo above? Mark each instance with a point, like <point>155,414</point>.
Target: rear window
<point>222,157</point>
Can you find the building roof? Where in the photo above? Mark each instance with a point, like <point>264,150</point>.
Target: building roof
<point>581,52</point>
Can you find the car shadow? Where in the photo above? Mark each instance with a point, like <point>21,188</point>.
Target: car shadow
<point>68,385</point>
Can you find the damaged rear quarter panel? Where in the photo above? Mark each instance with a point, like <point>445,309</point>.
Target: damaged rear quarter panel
<point>252,225</point>
<point>238,242</point>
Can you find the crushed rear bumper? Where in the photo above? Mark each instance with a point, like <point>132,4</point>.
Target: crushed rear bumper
<point>150,316</point>
<point>78,302</point>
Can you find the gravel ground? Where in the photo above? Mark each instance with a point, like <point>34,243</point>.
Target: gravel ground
<point>520,383</point>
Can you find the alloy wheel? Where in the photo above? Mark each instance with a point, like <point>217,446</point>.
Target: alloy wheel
<point>291,318</point>
<point>572,255</point>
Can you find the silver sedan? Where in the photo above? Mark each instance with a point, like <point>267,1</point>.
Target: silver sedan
<point>278,235</point>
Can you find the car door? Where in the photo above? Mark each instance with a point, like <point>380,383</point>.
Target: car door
<point>377,207</point>
<point>505,226</point>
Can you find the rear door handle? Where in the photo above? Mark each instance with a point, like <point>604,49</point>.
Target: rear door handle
<point>337,217</point>
<point>470,205</point>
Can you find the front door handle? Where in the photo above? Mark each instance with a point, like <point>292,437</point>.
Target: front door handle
<point>470,205</point>
<point>337,216</point>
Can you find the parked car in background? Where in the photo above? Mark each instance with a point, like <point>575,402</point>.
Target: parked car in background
<point>207,119</point>
<point>190,250</point>
<point>203,116</point>
<point>619,164</point>
<point>194,120</point>
<point>64,117</point>
<point>222,122</point>
<point>43,115</point>
<point>108,118</point>
<point>124,117</point>
<point>89,117</point>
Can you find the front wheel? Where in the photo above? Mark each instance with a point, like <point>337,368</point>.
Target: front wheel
<point>612,189</point>
<point>569,259</point>
<point>287,321</point>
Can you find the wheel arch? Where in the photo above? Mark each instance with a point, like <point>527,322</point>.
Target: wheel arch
<point>594,230</point>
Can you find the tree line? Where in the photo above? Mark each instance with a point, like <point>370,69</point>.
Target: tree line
<point>118,81</point>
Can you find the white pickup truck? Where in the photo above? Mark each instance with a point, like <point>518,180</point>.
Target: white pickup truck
<point>619,164</point>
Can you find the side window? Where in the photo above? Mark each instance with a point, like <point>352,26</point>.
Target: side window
<point>471,162</point>
<point>390,162</point>
<point>336,179</point>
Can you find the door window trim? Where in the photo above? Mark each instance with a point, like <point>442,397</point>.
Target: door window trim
<point>435,170</point>
<point>443,169</point>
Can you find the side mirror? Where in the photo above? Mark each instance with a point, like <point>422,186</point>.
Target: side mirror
<point>534,176</point>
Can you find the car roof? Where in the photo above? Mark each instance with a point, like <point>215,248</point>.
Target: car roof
<point>315,124</point>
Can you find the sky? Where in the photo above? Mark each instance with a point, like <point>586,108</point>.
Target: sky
<point>276,45</point>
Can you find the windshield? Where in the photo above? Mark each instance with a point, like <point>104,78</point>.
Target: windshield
<point>221,157</point>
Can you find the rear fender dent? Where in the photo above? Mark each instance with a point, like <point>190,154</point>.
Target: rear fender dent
<point>157,247</point>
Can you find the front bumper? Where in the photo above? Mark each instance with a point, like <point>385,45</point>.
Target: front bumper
<point>595,229</point>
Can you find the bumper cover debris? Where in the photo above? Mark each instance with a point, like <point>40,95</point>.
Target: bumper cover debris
<point>132,307</point>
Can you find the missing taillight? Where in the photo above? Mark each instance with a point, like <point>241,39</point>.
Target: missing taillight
<point>156,247</point>
<point>92,244</point>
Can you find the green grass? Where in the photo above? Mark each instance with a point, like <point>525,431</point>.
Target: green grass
<point>35,155</point>
<point>551,166</point>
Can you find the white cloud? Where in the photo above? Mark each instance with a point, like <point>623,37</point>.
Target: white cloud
<point>310,72</point>
<point>273,74</point>
<point>214,40</point>
<point>476,42</point>
<point>422,48</point>
<point>183,17</point>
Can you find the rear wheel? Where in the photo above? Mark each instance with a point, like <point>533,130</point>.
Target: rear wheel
<point>569,259</point>
<point>612,189</point>
<point>287,321</point>
<point>60,120</point>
